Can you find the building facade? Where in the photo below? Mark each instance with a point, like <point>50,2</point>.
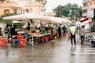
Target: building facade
<point>22,6</point>
<point>88,8</point>
<point>89,11</point>
<point>85,7</point>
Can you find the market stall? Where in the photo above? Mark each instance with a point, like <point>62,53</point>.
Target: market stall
<point>34,36</point>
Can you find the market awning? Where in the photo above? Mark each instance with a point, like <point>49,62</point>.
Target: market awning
<point>38,18</point>
<point>83,19</point>
<point>24,16</point>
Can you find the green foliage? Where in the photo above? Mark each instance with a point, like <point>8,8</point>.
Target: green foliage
<point>68,10</point>
<point>18,25</point>
<point>44,32</point>
<point>9,14</point>
<point>8,22</point>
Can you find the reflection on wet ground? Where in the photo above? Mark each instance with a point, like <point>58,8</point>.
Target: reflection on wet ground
<point>59,51</point>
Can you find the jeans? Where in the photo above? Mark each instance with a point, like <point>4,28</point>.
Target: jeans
<point>82,39</point>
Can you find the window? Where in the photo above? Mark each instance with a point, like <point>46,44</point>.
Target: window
<point>33,1</point>
<point>15,11</point>
<point>30,10</point>
<point>6,11</point>
<point>27,10</point>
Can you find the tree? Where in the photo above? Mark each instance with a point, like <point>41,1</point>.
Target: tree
<point>58,10</point>
<point>69,10</point>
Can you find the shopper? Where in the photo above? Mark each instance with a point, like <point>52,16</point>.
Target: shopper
<point>72,31</point>
<point>64,29</point>
<point>59,31</point>
<point>82,33</point>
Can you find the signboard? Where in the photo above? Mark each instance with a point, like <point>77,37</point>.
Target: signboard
<point>89,20</point>
<point>90,12</point>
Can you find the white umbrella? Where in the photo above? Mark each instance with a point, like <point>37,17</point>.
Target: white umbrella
<point>23,16</point>
<point>27,16</point>
<point>37,18</point>
<point>54,19</point>
<point>66,21</point>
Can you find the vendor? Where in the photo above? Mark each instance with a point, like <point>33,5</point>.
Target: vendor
<point>13,31</point>
<point>28,27</point>
<point>54,33</point>
<point>37,30</point>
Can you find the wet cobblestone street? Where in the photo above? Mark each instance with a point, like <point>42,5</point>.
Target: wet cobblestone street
<point>60,51</point>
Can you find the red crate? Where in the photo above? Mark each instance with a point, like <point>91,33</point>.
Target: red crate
<point>10,40</point>
<point>50,37</point>
<point>47,38</point>
<point>20,36</point>
<point>23,42</point>
<point>43,39</point>
<point>2,42</point>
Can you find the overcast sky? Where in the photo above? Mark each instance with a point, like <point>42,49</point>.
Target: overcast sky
<point>51,4</point>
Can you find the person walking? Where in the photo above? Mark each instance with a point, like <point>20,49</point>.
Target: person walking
<point>64,29</point>
<point>72,31</point>
<point>82,34</point>
<point>59,31</point>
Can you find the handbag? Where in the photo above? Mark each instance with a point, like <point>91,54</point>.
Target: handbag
<point>69,36</point>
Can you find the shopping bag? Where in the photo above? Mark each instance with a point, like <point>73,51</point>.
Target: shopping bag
<point>69,36</point>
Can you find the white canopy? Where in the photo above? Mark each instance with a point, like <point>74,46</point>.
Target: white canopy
<point>59,20</point>
<point>38,18</point>
<point>67,21</point>
<point>24,16</point>
<point>55,19</point>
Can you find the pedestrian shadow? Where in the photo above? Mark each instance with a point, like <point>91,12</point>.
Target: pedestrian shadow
<point>53,43</point>
<point>73,48</point>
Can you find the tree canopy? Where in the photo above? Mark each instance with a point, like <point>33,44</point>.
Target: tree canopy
<point>72,11</point>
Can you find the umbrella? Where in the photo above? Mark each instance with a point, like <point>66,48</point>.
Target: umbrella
<point>28,16</point>
<point>54,19</point>
<point>23,16</point>
<point>66,21</point>
<point>37,18</point>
